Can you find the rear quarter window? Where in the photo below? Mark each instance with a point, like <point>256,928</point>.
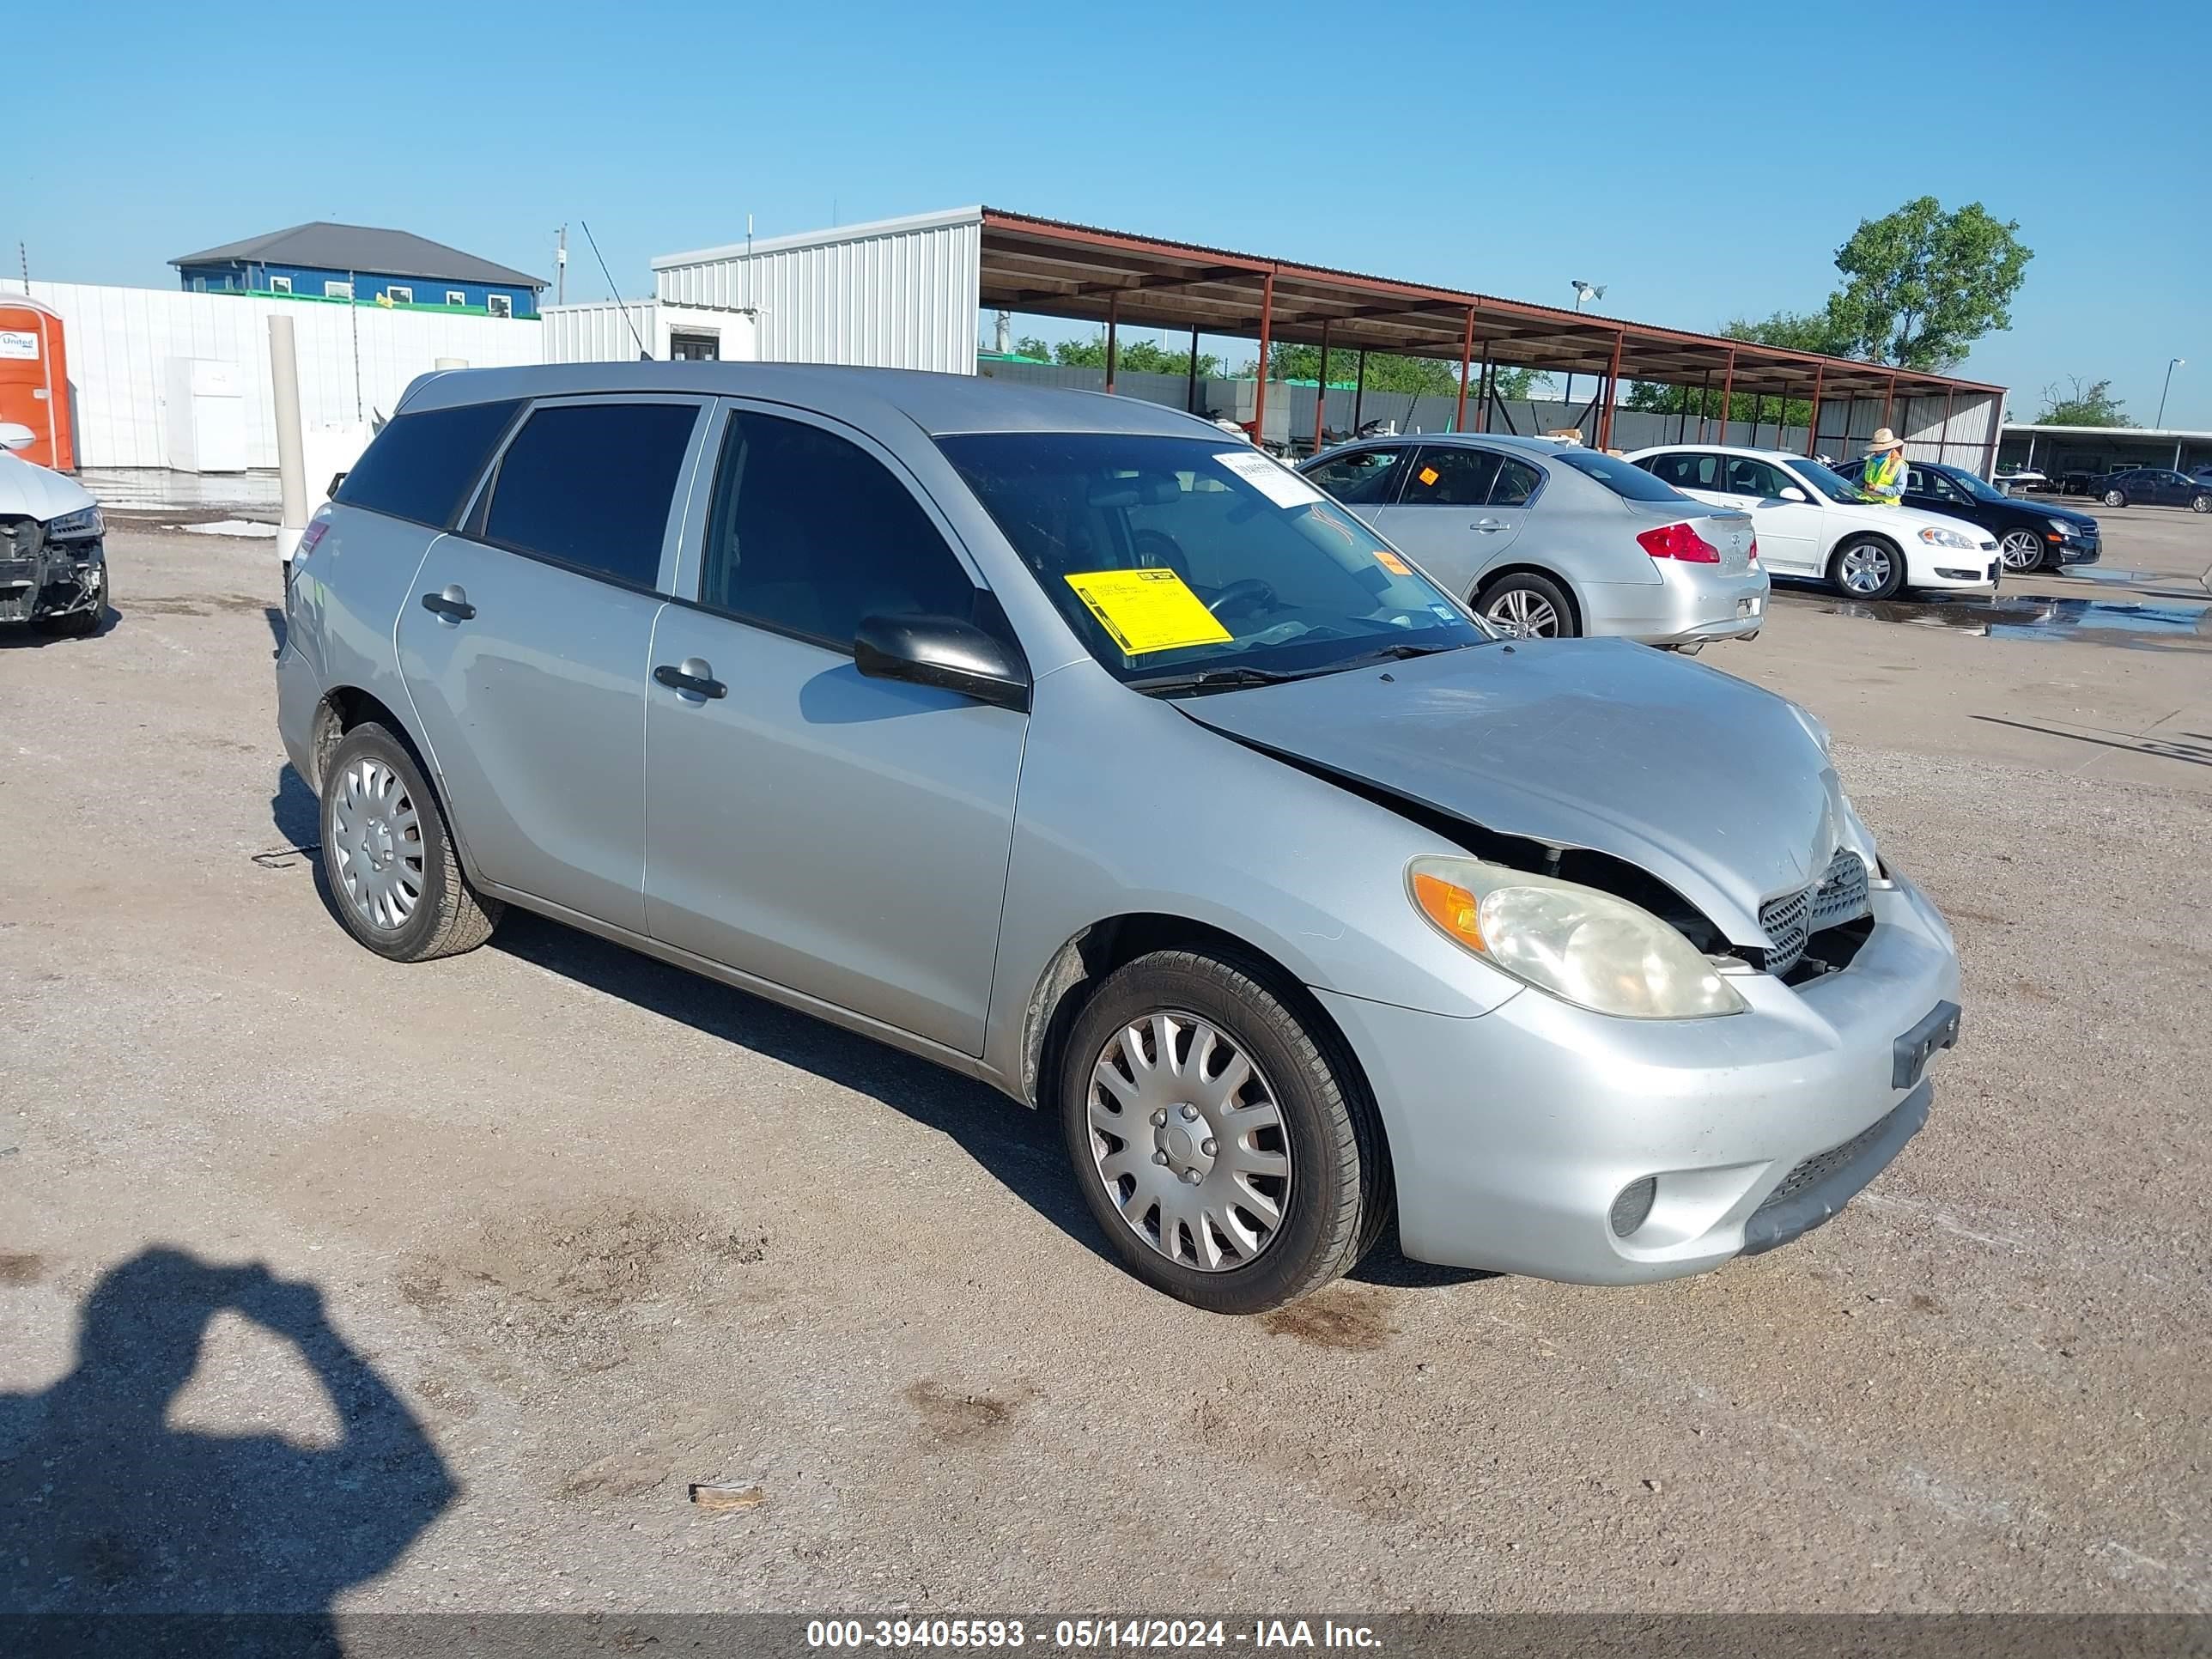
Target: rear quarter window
<point>421,466</point>
<point>1621,477</point>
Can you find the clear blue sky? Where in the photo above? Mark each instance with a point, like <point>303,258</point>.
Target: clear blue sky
<point>1701,160</point>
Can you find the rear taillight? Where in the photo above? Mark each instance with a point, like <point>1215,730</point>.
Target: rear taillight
<point>313,533</point>
<point>1753,556</point>
<point>1678,541</point>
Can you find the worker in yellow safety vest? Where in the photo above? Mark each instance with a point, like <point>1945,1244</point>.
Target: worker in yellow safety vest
<point>1882,477</point>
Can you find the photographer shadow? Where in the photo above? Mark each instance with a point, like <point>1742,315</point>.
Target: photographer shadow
<point>105,1508</point>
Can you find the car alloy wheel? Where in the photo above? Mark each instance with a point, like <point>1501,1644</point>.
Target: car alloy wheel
<point>2115,498</point>
<point>1188,1141</point>
<point>1866,568</point>
<point>377,844</point>
<point>1524,615</point>
<point>2200,504</point>
<point>2021,550</point>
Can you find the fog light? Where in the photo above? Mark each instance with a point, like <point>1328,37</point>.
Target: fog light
<point>1633,1205</point>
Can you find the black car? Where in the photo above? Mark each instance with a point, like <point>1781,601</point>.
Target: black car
<point>2155,486</point>
<point>2030,535</point>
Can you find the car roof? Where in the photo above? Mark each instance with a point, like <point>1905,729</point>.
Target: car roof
<point>1718,449</point>
<point>1460,439</point>
<point>940,404</point>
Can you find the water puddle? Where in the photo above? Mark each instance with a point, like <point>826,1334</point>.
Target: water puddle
<point>2026,617</point>
<point>2103,575</point>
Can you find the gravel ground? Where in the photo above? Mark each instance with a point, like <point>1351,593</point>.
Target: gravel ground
<point>586,1229</point>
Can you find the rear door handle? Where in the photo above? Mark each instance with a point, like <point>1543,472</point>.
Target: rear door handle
<point>1487,524</point>
<point>694,677</point>
<point>452,603</point>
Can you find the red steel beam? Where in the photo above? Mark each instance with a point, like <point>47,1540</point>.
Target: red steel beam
<point>1465,364</point>
<point>1321,385</point>
<point>1813,426</point>
<point>1612,394</point>
<point>1727,385</point>
<point>1113,323</point>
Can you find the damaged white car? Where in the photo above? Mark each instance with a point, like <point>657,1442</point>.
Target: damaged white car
<point>53,562</point>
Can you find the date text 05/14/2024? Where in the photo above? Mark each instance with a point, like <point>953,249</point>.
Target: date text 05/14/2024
<point>1088,1634</point>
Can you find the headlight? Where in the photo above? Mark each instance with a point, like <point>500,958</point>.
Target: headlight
<point>1581,945</point>
<point>87,521</point>
<point>2064,528</point>
<point>1935,535</point>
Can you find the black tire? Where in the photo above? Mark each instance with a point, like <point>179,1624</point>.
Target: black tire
<point>2200,503</point>
<point>448,915</point>
<point>1496,597</point>
<point>1891,586</point>
<point>1339,1198</point>
<point>78,623</point>
<point>2116,498</point>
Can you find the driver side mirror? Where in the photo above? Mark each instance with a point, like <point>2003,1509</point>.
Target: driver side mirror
<point>1791,493</point>
<point>14,435</point>
<point>944,651</point>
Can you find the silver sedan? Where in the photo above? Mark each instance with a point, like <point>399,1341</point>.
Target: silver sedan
<point>1550,539</point>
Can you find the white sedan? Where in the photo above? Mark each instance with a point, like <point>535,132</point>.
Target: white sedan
<point>1812,522</point>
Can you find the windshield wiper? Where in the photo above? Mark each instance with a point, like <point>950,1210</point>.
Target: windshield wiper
<point>1406,648</point>
<point>1215,679</point>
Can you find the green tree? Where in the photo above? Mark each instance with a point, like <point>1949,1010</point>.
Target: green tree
<point>2090,405</point>
<point>1386,371</point>
<point>1793,331</point>
<point>1923,285</point>
<point>1135,356</point>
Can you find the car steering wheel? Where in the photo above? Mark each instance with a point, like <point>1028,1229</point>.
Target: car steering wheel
<point>1248,593</point>
<point>1155,549</point>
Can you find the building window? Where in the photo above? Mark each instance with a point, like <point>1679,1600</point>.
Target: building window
<point>337,290</point>
<point>280,284</point>
<point>199,284</point>
<point>399,296</point>
<point>500,305</point>
<point>455,296</point>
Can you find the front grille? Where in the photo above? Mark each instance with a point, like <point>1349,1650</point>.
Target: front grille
<point>1839,896</point>
<point>1821,1164</point>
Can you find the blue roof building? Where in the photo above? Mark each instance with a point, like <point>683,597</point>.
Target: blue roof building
<point>364,265</point>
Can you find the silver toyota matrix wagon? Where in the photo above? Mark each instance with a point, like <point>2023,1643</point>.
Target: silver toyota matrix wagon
<point>1072,743</point>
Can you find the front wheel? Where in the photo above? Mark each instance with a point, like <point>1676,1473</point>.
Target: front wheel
<point>2200,503</point>
<point>1226,1148</point>
<point>1867,567</point>
<point>2021,550</point>
<point>2116,498</point>
<point>78,623</point>
<point>1529,607</point>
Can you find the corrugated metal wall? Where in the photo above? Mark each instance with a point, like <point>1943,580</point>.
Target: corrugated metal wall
<point>597,332</point>
<point>1965,439</point>
<point>121,340</point>
<point>903,294</point>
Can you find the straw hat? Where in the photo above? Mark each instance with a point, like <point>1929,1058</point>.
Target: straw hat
<point>1885,438</point>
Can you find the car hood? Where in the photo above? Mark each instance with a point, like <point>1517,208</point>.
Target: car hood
<point>1715,786</point>
<point>2053,510</point>
<point>1906,519</point>
<point>26,487</point>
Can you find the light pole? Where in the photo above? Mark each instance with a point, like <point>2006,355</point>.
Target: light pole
<point>2171,363</point>
<point>1582,291</point>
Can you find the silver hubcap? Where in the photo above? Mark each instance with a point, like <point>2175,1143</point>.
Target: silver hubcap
<point>376,844</point>
<point>1525,615</point>
<point>2021,550</point>
<point>2113,498</point>
<point>1190,1142</point>
<point>1866,569</point>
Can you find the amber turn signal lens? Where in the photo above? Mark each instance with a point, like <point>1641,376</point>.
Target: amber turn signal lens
<point>1451,908</point>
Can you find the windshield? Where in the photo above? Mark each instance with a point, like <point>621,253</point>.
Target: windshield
<point>1831,483</point>
<point>1176,556</point>
<point>1974,487</point>
<point>1621,477</point>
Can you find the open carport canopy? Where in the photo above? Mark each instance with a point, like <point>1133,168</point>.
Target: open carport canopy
<point>1055,269</point>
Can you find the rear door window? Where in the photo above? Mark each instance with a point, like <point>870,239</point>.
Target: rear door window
<point>1517,481</point>
<point>1452,475</point>
<point>422,466</point>
<point>589,486</point>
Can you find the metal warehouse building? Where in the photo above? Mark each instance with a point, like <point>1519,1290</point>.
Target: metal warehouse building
<point>909,294</point>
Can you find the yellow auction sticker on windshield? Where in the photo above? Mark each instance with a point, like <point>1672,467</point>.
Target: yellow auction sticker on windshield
<point>1147,610</point>
<point>1391,563</point>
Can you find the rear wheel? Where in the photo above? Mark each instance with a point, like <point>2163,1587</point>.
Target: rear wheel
<point>1529,607</point>
<point>2021,550</point>
<point>1867,567</point>
<point>1226,1147</point>
<point>395,880</point>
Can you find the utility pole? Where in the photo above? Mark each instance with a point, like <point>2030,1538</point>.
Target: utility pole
<point>24,254</point>
<point>561,268</point>
<point>2172,364</point>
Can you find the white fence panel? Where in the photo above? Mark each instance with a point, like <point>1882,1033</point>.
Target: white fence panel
<point>354,360</point>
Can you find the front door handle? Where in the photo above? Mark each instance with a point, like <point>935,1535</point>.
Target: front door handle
<point>693,677</point>
<point>452,603</point>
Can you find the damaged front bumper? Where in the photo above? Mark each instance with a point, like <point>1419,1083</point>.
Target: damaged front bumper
<point>40,577</point>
